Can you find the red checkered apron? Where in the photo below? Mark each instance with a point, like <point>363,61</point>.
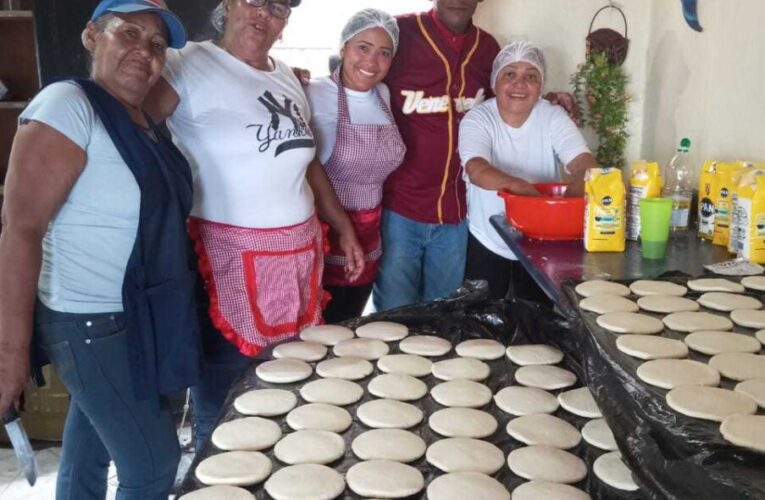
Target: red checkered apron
<point>264,284</point>
<point>363,157</point>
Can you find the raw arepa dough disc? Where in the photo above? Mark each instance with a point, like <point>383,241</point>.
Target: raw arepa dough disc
<point>461,393</point>
<point>486,349</point>
<point>739,366</point>
<point>517,400</point>
<point>304,351</point>
<point>754,388</point>
<point>722,301</point>
<point>265,402</point>
<point>603,304</point>
<point>463,422</point>
<point>754,282</point>
<point>332,391</point>
<point>534,354</point>
<point>283,371</point>
<point>651,347</point>
<point>389,444</point>
<point>689,321</point>
<point>389,414</point>
<point>465,455</point>
<point>546,464</point>
<point>598,434</point>
<point>626,322</point>
<point>320,417</point>
<point>747,431</point>
<point>408,364</point>
<point>306,482</point>
<point>670,373</point>
<point>387,331</point>
<point>544,430</point>
<point>397,386</point>
<point>218,493</point>
<point>464,485</point>
<point>580,402</point>
<point>460,368</point>
<point>594,288</point>
<point>309,447</point>
<point>246,434</point>
<point>234,468</point>
<point>326,334</point>
<point>610,469</point>
<point>349,368</point>
<point>537,490</point>
<point>715,285</point>
<point>709,403</point>
<point>665,304</point>
<point>369,349</point>
<point>425,345</point>
<point>760,334</point>
<point>750,318</point>
<point>652,287</point>
<point>384,479</point>
<point>712,342</point>
<point>545,377</point>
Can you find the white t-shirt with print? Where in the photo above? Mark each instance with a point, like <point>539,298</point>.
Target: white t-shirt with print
<point>531,152</point>
<point>245,133</point>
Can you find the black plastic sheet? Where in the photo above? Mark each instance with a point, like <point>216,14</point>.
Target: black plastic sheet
<point>467,316</point>
<point>672,456</point>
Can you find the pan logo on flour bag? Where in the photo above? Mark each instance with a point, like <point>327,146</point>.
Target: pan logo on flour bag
<point>645,182</point>
<point>750,217</point>
<point>726,178</point>
<point>707,190</point>
<point>604,213</point>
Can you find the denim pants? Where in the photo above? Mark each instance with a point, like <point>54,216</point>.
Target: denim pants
<point>420,262</point>
<point>105,421</point>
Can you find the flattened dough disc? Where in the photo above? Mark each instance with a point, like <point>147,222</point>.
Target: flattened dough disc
<point>534,354</point>
<point>320,417</point>
<point>715,285</point>
<point>580,402</point>
<point>306,482</point>
<point>265,402</point>
<point>461,393</point>
<point>754,282</point>
<point>593,288</point>
<point>234,468</point>
<point>610,469</point>
<point>537,490</point>
<point>598,434</point>
<point>389,444</point>
<point>603,304</point>
<point>397,386</point>
<point>545,377</point>
<point>349,368</point>
<point>651,347</point>
<point>246,434</point>
<point>460,368</point>
<point>749,318</point>
<point>304,351</point>
<point>712,342</point>
<point>218,493</point>
<point>671,373</point>
<point>463,485</point>
<point>385,479</point>
<point>518,400</point>
<point>425,345</point>
<point>652,287</point>
<point>754,388</point>
<point>462,422</point>
<point>625,322</point>
<point>465,455</point>
<point>389,414</point>
<point>283,371</point>
<point>546,464</point>
<point>722,301</point>
<point>747,431</point>
<point>544,430</point>
<point>690,321</point>
<point>332,391</point>
<point>309,447</point>
<point>709,403</point>
<point>486,349</point>
<point>369,349</point>
<point>739,366</point>
<point>328,335</point>
<point>408,364</point>
<point>387,331</point>
<point>666,304</point>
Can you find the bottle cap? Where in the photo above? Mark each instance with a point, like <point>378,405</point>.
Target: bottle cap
<point>685,143</point>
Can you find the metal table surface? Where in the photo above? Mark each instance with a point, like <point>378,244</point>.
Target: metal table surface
<point>552,262</point>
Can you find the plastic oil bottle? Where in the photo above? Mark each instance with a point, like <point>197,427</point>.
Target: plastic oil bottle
<point>678,186</point>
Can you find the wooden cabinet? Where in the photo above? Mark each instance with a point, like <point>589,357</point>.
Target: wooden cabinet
<point>18,69</point>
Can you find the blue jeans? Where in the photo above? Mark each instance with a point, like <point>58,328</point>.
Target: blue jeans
<point>420,262</point>
<point>223,364</point>
<point>105,422</point>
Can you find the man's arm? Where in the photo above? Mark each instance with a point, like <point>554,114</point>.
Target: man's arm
<point>577,168</point>
<point>333,213</point>
<point>161,101</point>
<point>44,165</point>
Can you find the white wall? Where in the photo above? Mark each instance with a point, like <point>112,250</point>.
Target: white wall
<point>708,86</point>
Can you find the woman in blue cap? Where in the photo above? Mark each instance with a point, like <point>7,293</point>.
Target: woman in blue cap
<point>94,258</point>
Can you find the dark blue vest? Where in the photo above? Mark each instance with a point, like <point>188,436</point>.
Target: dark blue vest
<point>158,290</point>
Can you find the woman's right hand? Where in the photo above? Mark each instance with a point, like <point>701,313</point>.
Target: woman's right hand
<point>522,188</point>
<point>14,374</point>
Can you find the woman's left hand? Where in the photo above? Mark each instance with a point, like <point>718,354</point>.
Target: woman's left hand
<point>354,255</point>
<point>567,102</point>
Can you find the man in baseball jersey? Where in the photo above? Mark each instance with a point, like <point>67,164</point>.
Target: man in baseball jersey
<point>440,72</point>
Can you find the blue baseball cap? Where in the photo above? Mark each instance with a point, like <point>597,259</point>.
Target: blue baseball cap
<point>175,30</point>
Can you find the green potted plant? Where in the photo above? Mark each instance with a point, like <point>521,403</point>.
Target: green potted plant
<point>600,91</point>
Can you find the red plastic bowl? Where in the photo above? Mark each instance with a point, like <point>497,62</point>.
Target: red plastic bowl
<point>546,217</point>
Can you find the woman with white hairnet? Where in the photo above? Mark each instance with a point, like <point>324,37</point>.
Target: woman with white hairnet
<point>510,142</point>
<point>359,145</point>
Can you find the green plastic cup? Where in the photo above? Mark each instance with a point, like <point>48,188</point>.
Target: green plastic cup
<point>655,214</point>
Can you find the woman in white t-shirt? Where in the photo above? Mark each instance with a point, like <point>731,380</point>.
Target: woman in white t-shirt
<point>510,142</point>
<point>359,144</point>
<point>241,118</point>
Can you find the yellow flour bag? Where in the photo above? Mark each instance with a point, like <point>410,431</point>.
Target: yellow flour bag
<point>645,182</point>
<point>707,188</point>
<point>726,179</point>
<point>750,217</point>
<point>605,210</point>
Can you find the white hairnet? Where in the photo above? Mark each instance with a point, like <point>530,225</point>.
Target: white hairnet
<point>370,18</point>
<point>518,51</point>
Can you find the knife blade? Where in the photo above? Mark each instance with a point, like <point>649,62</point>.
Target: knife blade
<point>21,445</point>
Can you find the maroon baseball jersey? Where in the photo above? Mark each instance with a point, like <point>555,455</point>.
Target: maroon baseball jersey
<point>432,87</point>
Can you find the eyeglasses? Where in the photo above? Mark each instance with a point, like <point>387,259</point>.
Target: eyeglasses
<point>277,9</point>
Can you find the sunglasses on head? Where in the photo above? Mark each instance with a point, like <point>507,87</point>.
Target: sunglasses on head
<point>277,9</point>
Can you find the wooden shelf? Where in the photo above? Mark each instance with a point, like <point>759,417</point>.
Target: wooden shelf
<point>16,13</point>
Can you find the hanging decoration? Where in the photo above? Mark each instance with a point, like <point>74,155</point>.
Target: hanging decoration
<point>690,13</point>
